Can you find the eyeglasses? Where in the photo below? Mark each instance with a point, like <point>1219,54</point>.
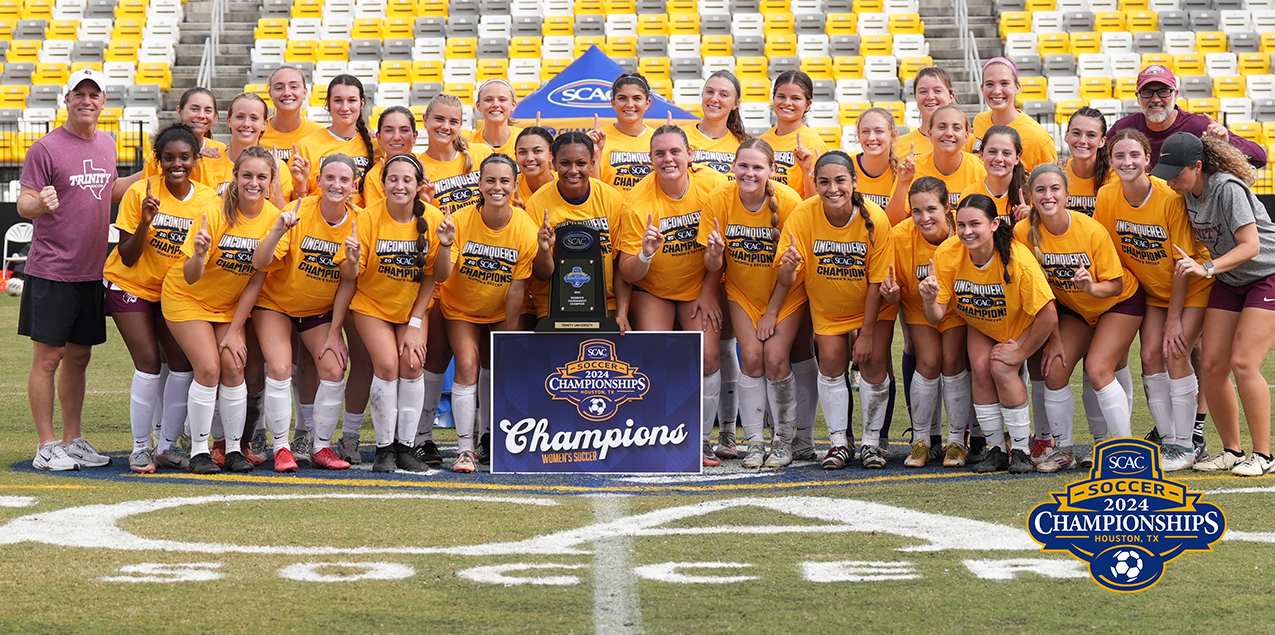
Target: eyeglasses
<point>1147,93</point>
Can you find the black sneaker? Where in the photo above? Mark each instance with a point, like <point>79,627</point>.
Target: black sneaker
<point>1153,436</point>
<point>1020,462</point>
<point>406,459</point>
<point>994,460</point>
<point>1201,448</point>
<point>203,464</point>
<point>977,450</point>
<point>385,459</point>
<point>235,462</point>
<point>484,449</point>
<point>428,454</point>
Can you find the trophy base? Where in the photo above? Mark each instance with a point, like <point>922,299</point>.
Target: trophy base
<point>566,325</point>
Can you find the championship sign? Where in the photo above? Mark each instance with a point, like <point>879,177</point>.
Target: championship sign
<point>593,402</point>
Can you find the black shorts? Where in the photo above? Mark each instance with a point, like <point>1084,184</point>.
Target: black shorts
<point>56,313</point>
<point>303,324</point>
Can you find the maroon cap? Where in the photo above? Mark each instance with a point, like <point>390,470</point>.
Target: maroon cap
<point>1157,74</point>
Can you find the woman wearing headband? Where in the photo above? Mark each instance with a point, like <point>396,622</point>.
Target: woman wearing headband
<point>495,101</point>
<point>1000,88</point>
<point>624,147</point>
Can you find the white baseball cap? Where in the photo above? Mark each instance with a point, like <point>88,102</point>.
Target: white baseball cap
<point>85,75</point>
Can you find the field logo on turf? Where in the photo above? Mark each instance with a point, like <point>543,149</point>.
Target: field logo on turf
<point>597,382</point>
<point>1126,520</point>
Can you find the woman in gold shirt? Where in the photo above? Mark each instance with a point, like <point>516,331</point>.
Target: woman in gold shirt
<point>624,147</point>
<point>347,135</point>
<point>495,102</point>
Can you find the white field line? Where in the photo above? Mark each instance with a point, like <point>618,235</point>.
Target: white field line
<point>616,607</point>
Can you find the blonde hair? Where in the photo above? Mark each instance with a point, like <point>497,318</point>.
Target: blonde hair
<point>893,156</point>
<point>459,143</point>
<point>230,199</point>
<point>772,202</point>
<point>1033,218</point>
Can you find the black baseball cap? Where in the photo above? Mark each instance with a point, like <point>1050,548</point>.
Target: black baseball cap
<point>1181,150</point>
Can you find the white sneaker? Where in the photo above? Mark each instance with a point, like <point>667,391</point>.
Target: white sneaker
<point>86,455</point>
<point>52,457</point>
<point>1254,465</point>
<point>1220,462</point>
<point>1175,457</point>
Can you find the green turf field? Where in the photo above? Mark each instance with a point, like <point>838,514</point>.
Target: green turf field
<point>894,551</point>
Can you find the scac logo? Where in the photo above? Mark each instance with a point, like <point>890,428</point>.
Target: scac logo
<point>1126,520</point>
<point>577,278</point>
<point>582,93</point>
<point>597,382</point>
<point>577,241</point>
<point>639,169</point>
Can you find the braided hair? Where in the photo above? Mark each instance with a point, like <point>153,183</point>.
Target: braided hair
<point>418,210</point>
<point>1002,236</point>
<point>360,122</point>
<point>839,157</point>
<point>569,138</point>
<point>1102,163</point>
<point>1018,177</point>
<point>458,142</point>
<point>772,201</point>
<point>1034,219</point>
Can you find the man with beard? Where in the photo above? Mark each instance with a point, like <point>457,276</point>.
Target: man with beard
<point>1161,117</point>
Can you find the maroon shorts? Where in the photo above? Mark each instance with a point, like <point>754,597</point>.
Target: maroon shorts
<point>1135,304</point>
<point>304,324</point>
<point>121,301</point>
<point>1259,295</point>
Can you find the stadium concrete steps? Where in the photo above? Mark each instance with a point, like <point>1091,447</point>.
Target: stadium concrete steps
<point>941,33</point>
<point>233,60</point>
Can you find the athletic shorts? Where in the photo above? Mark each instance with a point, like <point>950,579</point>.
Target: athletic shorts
<point>303,324</point>
<point>57,313</point>
<point>121,301</point>
<point>1259,295</point>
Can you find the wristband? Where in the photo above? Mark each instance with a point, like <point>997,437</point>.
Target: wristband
<point>443,244</point>
<point>645,258</point>
<point>415,322</point>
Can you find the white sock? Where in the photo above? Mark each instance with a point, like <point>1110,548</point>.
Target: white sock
<point>384,405</point>
<point>708,412</point>
<point>411,393</point>
<point>783,393</point>
<point>873,398</point>
<point>352,422</point>
<point>806,396</point>
<point>834,395</point>
<point>327,412</point>
<point>464,407</point>
<point>991,422</point>
<point>956,398</point>
<point>1039,415</point>
<point>429,406</point>
<point>1182,394</point>
<point>1115,413</point>
<point>1094,413</point>
<point>232,402</point>
<point>200,403</point>
<point>925,402</point>
<point>1160,403</point>
<point>276,402</point>
<point>295,384</point>
<point>752,407</point>
<point>482,420</point>
<point>728,401</point>
<point>1125,377</point>
<point>1019,422</point>
<point>157,413</point>
<point>144,400</point>
<point>218,432</point>
<point>305,414</point>
<point>176,393</point>
<point>1060,407</point>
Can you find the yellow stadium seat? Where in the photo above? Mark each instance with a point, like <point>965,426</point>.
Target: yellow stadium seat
<point>841,24</point>
<point>400,9</point>
<point>1095,88</point>
<point>1163,59</point>
<point>121,51</point>
<point>260,90</point>
<point>522,89</point>
<point>1229,86</point>
<point>1139,21</point>
<point>1134,5</point>
<point>62,30</point>
<point>778,23</point>
<point>683,24</point>
<point>1031,89</point>
<point>1188,64</point>
<point>654,67</point>
<point>50,74</point>
<point>157,73</point>
<point>461,48</point>
<point>1126,87</point>
<point>695,109</point>
<point>767,7</point>
<point>431,8</point>
<point>1210,42</point>
<point>1104,21</point>
<point>906,23</point>
<point>43,10</point>
<point>332,51</point>
<point>652,24</point>
<point>271,29</point>
<point>129,28</point>
<point>755,89</point>
<point>10,148</point>
<point>781,45</point>
<point>895,108</point>
<point>463,90</point>
<point>710,46</point>
<point>848,112</point>
<point>559,25</point>
<point>1014,22</point>
<point>300,51</point>
<point>910,66</point>
<point>1086,42</point>
<point>626,45</point>
<point>1204,106</point>
<point>681,6</point>
<point>876,45</point>
<point>588,7</point>
<point>6,28</point>
<point>14,96</point>
<point>492,69</point>
<point>751,67</point>
<point>584,42</point>
<point>847,67</point>
<point>427,71</point>
<point>319,96</point>
<point>307,8</point>
<point>1250,130</point>
<point>1064,109</point>
<point>551,67</point>
<point>1268,42</point>
<point>1255,63</point>
<point>130,8</point>
<point>663,87</point>
<point>10,9</point>
<point>831,136</point>
<point>869,6</point>
<point>75,66</point>
<point>1053,44</point>
<point>618,6</point>
<point>817,67</point>
<point>524,47</point>
<point>23,51</point>
<point>366,29</point>
<point>398,27</point>
<point>1039,5</point>
<point>1268,130</point>
<point>395,71</point>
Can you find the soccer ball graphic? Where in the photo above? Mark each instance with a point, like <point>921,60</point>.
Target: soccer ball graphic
<point>597,406</point>
<point>1127,567</point>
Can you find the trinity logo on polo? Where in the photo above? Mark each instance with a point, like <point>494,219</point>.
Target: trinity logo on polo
<point>597,382</point>
<point>1126,520</point>
<point>93,179</point>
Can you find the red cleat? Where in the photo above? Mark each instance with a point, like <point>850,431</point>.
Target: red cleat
<point>283,461</point>
<point>326,459</point>
<point>219,453</point>
<point>245,449</point>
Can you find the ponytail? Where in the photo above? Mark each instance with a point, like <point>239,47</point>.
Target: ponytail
<point>418,210</point>
<point>1018,177</point>
<point>772,201</point>
<point>360,122</point>
<point>1102,163</point>
<point>856,198</point>
<point>459,143</point>
<point>1033,234</point>
<point>1002,236</point>
<point>734,120</point>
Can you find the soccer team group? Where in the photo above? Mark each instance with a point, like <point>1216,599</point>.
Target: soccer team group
<point>249,278</point>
